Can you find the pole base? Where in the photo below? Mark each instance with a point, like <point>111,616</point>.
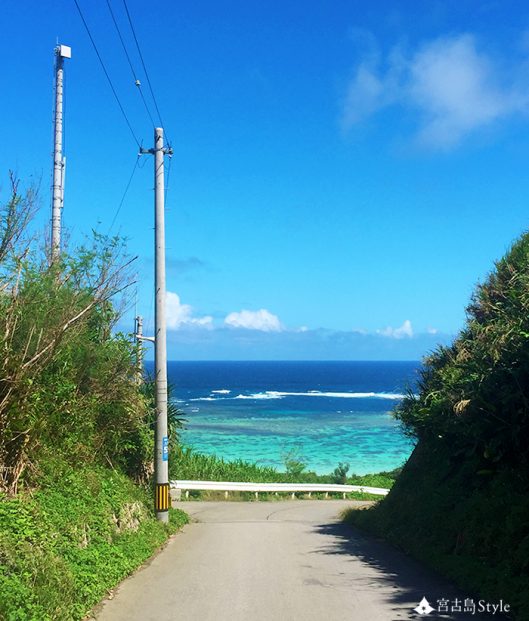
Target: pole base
<point>162,516</point>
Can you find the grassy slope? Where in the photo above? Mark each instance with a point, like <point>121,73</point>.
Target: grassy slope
<point>65,545</point>
<point>471,527</point>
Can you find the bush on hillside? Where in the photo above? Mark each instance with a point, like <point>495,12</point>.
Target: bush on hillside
<point>67,383</point>
<point>474,395</point>
<point>461,503</point>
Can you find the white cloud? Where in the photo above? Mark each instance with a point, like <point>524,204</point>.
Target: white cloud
<point>179,314</point>
<point>432,330</point>
<point>261,320</point>
<point>456,88</point>
<point>405,330</point>
<point>365,96</point>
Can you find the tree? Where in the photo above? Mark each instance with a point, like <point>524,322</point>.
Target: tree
<point>63,375</point>
<point>339,474</point>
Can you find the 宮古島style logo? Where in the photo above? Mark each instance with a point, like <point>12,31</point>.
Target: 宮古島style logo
<point>424,607</point>
<point>467,605</point>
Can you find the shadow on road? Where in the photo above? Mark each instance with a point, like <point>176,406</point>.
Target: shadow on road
<point>401,581</point>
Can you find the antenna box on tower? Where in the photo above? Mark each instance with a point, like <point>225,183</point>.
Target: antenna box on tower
<point>64,51</point>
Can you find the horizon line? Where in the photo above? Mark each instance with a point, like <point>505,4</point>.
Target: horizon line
<point>284,360</point>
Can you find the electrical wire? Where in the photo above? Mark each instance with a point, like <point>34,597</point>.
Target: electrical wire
<point>124,193</point>
<point>168,179</point>
<point>106,73</point>
<point>149,321</point>
<point>134,74</point>
<point>143,62</point>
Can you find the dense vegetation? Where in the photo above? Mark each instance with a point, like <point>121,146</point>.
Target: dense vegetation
<point>469,474</point>
<point>79,533</point>
<point>76,432</point>
<point>186,464</point>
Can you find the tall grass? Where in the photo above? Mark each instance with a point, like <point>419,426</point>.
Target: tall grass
<point>188,464</point>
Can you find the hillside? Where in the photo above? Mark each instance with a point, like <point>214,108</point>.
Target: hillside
<point>461,503</point>
<point>76,427</point>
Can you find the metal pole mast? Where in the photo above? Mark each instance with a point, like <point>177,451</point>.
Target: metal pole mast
<point>59,162</point>
<point>139,337</point>
<point>138,332</point>
<point>161,454</point>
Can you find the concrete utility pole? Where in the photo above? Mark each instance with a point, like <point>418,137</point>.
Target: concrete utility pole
<point>59,162</point>
<point>160,339</point>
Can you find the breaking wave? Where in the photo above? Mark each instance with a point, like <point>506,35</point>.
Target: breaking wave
<point>276,394</point>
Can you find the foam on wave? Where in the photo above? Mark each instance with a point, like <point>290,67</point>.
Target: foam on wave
<point>276,394</point>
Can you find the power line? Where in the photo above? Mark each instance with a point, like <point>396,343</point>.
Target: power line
<point>121,39</point>
<point>124,193</point>
<point>106,73</point>
<point>134,75</point>
<point>168,179</point>
<point>143,63</point>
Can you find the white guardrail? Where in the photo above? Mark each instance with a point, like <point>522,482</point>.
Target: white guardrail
<point>291,488</point>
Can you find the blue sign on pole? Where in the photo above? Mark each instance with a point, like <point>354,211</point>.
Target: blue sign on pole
<point>165,448</point>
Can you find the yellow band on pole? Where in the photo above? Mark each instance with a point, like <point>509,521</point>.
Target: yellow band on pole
<point>162,497</point>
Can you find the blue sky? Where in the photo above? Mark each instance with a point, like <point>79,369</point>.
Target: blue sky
<point>343,173</point>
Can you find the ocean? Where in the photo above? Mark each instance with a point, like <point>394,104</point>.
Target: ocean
<point>321,412</point>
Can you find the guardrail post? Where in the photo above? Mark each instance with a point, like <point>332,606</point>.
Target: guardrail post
<point>226,495</point>
<point>293,496</point>
<point>187,494</point>
<point>176,494</point>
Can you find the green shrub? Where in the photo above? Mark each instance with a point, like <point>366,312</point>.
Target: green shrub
<point>474,394</point>
<point>66,544</point>
<point>339,474</point>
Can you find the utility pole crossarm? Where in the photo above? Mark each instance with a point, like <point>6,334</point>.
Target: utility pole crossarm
<point>140,337</point>
<point>166,151</point>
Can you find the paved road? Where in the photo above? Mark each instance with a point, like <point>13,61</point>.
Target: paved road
<point>276,561</point>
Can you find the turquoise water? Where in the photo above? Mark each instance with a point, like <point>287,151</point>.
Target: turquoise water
<point>323,413</point>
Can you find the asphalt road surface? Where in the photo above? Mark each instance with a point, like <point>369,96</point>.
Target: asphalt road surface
<point>278,561</point>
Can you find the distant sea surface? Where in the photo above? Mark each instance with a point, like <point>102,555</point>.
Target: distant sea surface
<point>323,412</point>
